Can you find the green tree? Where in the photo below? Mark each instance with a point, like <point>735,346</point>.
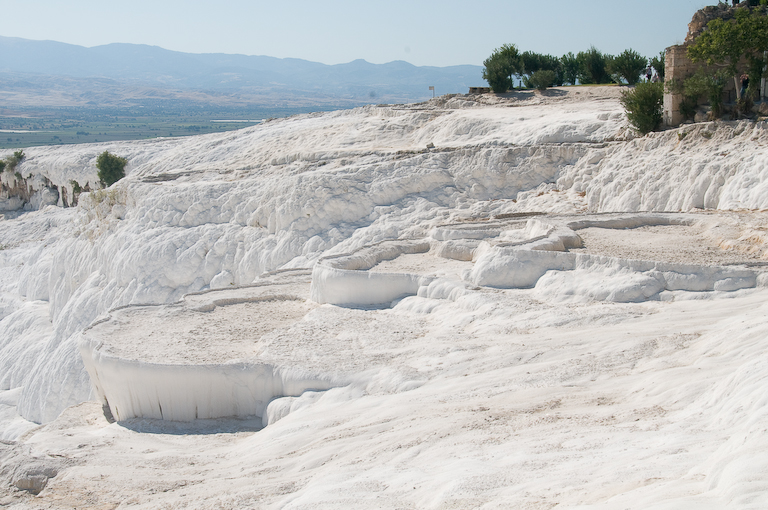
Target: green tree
<point>643,106</point>
<point>570,66</point>
<point>658,64</point>
<point>725,42</point>
<point>552,63</point>
<point>111,168</point>
<point>628,66</point>
<point>593,66</point>
<point>499,68</point>
<point>530,62</point>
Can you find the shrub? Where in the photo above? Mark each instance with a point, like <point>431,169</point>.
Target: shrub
<point>744,106</point>
<point>552,63</point>
<point>710,84</point>
<point>542,79</point>
<point>643,105</point>
<point>688,107</point>
<point>111,168</point>
<point>593,66</point>
<point>531,62</point>
<point>11,162</point>
<point>570,66</point>
<point>690,98</point>
<point>628,66</point>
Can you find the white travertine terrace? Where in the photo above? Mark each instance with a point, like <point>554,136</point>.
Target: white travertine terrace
<point>542,310</point>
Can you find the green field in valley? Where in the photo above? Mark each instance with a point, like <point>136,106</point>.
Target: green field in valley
<point>29,127</point>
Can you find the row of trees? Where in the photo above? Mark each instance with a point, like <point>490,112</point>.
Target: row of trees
<point>536,70</point>
<point>724,46</point>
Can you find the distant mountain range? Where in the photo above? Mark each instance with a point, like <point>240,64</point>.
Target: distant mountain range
<point>47,72</point>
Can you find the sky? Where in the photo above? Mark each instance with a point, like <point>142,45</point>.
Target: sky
<point>437,33</point>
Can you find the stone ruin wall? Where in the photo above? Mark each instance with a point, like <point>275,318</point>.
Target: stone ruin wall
<point>677,66</point>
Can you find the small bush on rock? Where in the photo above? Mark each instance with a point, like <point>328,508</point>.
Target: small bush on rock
<point>643,105</point>
<point>111,168</point>
<point>11,162</point>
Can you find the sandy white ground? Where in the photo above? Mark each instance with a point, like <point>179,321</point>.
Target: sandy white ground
<point>472,387</point>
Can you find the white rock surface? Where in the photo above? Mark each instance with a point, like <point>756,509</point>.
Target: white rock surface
<point>591,379</point>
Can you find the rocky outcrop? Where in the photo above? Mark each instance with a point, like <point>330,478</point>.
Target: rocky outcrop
<point>17,193</point>
<point>702,17</point>
<point>30,186</point>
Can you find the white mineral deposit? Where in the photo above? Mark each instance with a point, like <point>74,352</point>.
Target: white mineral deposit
<point>540,310</point>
